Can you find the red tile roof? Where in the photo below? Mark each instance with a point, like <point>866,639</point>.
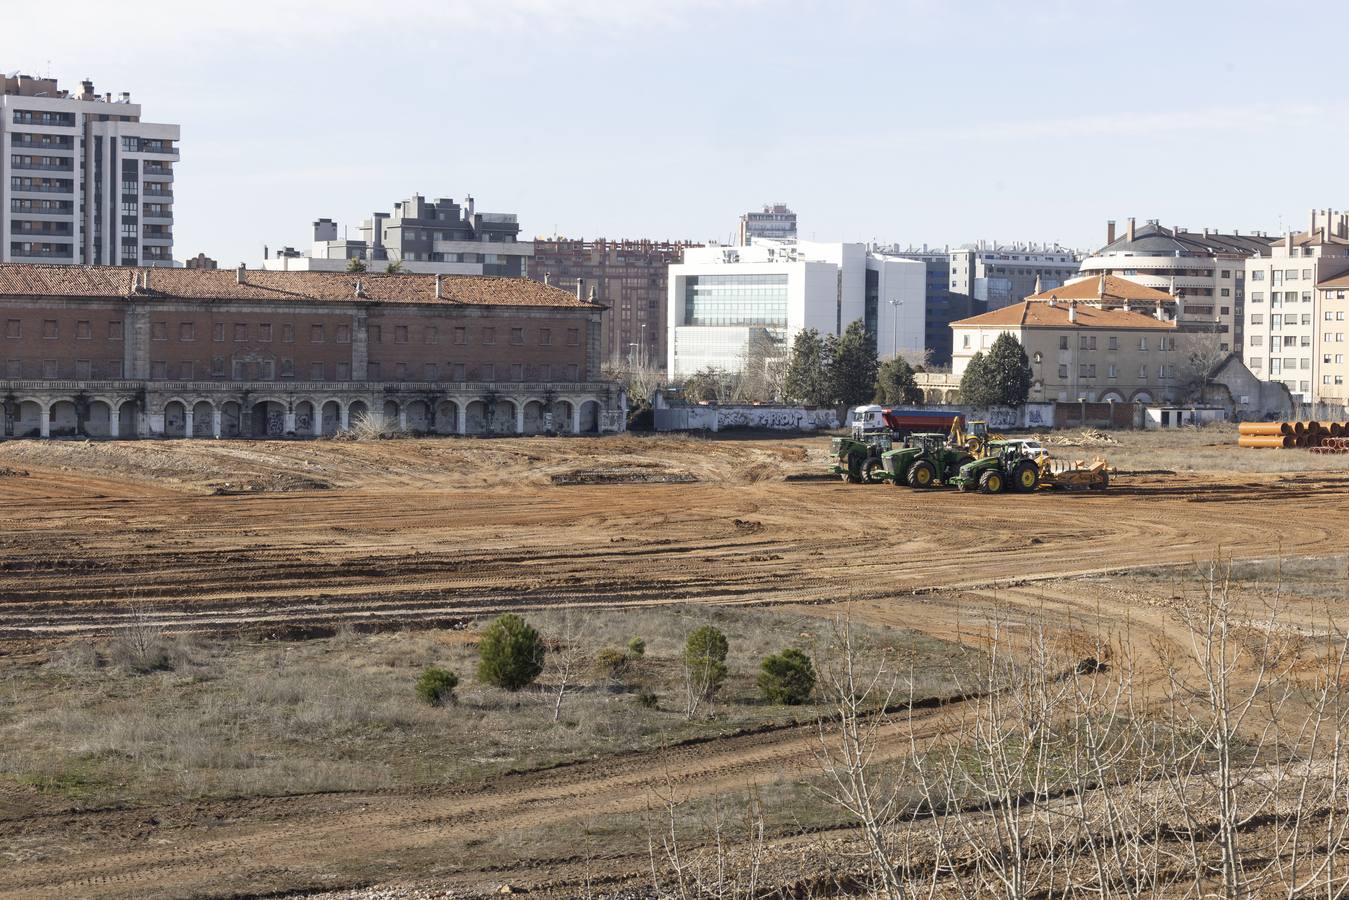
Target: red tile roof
<point>20,279</point>
<point>1113,288</point>
<point>1339,281</point>
<point>1038,314</point>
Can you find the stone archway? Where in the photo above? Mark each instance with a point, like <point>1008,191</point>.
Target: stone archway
<point>99,421</point>
<point>418,414</point>
<point>30,419</point>
<point>533,417</point>
<point>475,417</point>
<point>358,413</point>
<point>231,419</point>
<point>563,410</point>
<point>330,418</point>
<point>63,419</point>
<point>1112,397</point>
<point>306,419</point>
<point>390,418</point>
<point>203,419</point>
<point>267,419</point>
<point>175,419</point>
<point>590,417</point>
<point>447,417</point>
<point>1143,397</point>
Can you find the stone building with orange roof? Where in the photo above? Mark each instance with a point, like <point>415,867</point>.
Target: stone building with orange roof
<point>147,352</point>
<point>1099,339</point>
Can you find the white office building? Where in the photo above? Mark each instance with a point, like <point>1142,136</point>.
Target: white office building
<point>83,181</point>
<point>720,298</point>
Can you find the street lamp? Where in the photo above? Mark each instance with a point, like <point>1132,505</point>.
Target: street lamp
<point>894,339</point>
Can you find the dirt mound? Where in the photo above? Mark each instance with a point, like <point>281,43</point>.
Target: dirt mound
<point>270,485</point>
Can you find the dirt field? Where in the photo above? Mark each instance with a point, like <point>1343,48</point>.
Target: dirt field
<point>296,540</point>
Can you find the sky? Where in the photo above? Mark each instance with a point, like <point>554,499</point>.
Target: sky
<point>906,121</point>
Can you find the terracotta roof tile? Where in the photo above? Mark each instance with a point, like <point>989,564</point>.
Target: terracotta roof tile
<point>18,279</point>
<point>1115,288</point>
<point>1038,314</point>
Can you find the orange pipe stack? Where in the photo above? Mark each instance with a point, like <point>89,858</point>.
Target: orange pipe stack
<point>1312,435</point>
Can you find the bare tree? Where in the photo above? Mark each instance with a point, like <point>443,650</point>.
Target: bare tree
<point>721,857</point>
<point>566,660</point>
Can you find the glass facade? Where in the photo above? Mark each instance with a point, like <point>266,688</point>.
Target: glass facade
<point>736,300</point>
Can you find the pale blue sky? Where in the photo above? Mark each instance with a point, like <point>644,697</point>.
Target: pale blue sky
<point>937,122</point>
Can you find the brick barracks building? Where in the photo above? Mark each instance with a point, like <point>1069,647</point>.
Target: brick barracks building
<point>120,352</point>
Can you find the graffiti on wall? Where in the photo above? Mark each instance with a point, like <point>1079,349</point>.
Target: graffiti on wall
<point>778,418</point>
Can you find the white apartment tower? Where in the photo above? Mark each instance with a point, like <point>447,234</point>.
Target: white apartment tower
<point>83,180</point>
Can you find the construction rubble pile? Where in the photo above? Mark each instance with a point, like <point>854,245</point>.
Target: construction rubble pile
<point>1318,437</point>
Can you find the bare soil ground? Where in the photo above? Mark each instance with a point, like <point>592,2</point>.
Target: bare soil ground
<point>231,541</point>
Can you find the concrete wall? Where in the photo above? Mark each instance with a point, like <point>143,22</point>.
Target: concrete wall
<point>723,418</point>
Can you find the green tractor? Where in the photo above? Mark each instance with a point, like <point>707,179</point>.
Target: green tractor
<point>857,459</point>
<point>1005,465</point>
<point>924,461</point>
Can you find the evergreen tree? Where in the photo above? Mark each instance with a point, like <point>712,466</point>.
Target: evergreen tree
<point>1009,374</point>
<point>355,264</point>
<point>807,376</point>
<point>975,389</point>
<point>510,654</point>
<point>852,366</point>
<point>895,383</point>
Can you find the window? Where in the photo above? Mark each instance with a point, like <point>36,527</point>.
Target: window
<point>288,334</point>
<point>185,371</point>
<point>1257,340</point>
<point>1257,364</point>
<point>489,372</point>
<point>1113,343</point>
<point>187,331</point>
<point>115,330</point>
<point>459,373</point>
<point>316,334</point>
<point>287,367</point>
<point>1063,342</point>
<point>1257,318</point>
<point>13,328</point>
<point>571,371</point>
<point>545,372</point>
<point>1087,371</point>
<point>84,331</point>
<point>1111,372</point>
<point>159,331</point>
<point>966,343</point>
<point>114,368</point>
<point>517,372</point>
<point>1225,292</point>
<point>82,368</point>
<point>573,337</point>
<point>1143,343</point>
<point>1143,372</point>
<point>239,371</point>
<point>1290,340</point>
<point>1290,274</point>
<point>372,372</point>
<point>218,367</point>
<point>430,372</point>
<point>517,338</point>
<point>1257,296</point>
<point>546,338</point>
<point>400,334</point>
<point>316,371</point>
<point>431,335</point>
<point>50,330</point>
<point>218,331</point>
<point>1275,322</point>
<point>343,371</point>
<point>376,334</point>
<point>1306,296</point>
<point>240,332</point>
<point>159,371</point>
<point>489,336</point>
<point>265,332</point>
<point>460,335</point>
<point>400,371</point>
<point>1063,373</point>
<point>343,335</point>
<point>1226,273</point>
<point>1276,277</point>
<point>1258,275</point>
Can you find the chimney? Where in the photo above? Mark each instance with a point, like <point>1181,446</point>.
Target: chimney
<point>468,207</point>
<point>360,288</point>
<point>547,278</point>
<point>1288,241</point>
<point>438,286</point>
<point>145,280</point>
<point>1037,285</point>
<point>1129,229</point>
<point>1053,301</point>
<point>1161,312</point>
<point>592,298</point>
<point>580,288</point>
<point>1072,312</point>
<point>1100,286</point>
<point>1110,232</point>
<point>1312,227</point>
<point>239,274</point>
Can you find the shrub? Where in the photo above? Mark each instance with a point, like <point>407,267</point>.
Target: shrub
<point>705,660</point>
<point>436,686</point>
<point>787,678</point>
<point>637,647</point>
<point>510,654</point>
<point>611,662</point>
<point>647,699</point>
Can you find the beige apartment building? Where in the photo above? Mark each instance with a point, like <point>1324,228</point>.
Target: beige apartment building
<point>1295,310</point>
<point>1086,349</point>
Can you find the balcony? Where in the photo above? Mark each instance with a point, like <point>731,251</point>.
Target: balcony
<point>167,151</point>
<point>43,189</point>
<point>157,173</point>
<point>43,254</point>
<point>28,229</point>
<point>156,217</point>
<point>45,167</point>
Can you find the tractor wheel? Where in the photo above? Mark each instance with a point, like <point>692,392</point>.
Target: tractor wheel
<point>991,482</point>
<point>921,475</point>
<point>873,472</point>
<point>1102,484</point>
<point>1025,477</point>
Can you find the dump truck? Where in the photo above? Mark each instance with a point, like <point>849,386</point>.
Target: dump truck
<point>924,461</point>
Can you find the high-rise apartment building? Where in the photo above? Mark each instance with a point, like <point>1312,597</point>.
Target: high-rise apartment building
<point>776,223</point>
<point>1295,309</point>
<point>83,181</point>
<point>1000,274</point>
<point>1204,270</point>
<point>721,299</point>
<point>430,237</point>
<point>628,277</point>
